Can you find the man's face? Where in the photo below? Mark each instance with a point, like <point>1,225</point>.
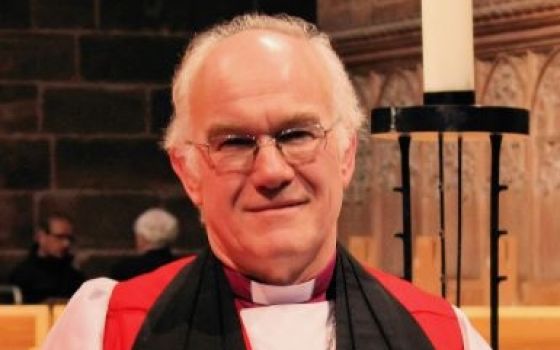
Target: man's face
<point>276,222</point>
<point>58,241</point>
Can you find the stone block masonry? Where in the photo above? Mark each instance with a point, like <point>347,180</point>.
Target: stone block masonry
<point>84,100</point>
<point>84,95</point>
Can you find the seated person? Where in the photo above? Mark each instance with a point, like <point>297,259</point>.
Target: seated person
<point>47,272</point>
<point>155,230</point>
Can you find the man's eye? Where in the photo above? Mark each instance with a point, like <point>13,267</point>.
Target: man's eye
<point>234,142</point>
<point>293,136</point>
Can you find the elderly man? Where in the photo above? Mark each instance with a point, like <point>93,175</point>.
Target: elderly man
<point>154,232</point>
<point>264,143</point>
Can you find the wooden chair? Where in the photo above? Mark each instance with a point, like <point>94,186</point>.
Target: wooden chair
<point>23,327</point>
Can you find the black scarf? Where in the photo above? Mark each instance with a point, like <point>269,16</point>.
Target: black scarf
<point>197,311</point>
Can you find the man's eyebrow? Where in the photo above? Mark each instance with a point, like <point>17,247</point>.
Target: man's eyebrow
<point>300,119</point>
<point>220,130</point>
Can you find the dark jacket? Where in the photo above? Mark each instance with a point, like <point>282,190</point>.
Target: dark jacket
<point>137,265</point>
<point>41,278</point>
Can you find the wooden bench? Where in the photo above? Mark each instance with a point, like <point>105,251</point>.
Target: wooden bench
<point>23,327</point>
<point>56,312</point>
<point>521,327</point>
<point>364,249</point>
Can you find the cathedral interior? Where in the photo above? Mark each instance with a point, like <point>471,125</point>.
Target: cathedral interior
<point>84,99</point>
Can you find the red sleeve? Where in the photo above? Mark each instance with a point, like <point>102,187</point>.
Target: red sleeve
<point>130,302</point>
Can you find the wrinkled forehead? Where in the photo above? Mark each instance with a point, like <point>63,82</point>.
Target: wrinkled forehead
<point>262,45</point>
<point>259,62</point>
<point>262,57</point>
<point>251,48</point>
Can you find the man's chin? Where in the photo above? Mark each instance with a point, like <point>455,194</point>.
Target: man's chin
<point>274,252</point>
<point>277,275</point>
<point>279,264</point>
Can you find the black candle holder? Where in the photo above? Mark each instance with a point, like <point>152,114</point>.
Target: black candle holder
<point>452,113</point>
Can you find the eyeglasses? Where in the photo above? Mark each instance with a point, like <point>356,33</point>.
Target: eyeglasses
<point>236,152</point>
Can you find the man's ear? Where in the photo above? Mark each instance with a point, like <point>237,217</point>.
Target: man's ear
<point>188,177</point>
<point>348,161</point>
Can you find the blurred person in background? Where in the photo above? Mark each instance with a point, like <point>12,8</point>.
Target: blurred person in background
<point>154,231</point>
<point>48,271</point>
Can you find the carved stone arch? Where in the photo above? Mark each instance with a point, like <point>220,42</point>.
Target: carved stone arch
<point>358,191</point>
<point>545,106</point>
<point>545,136</point>
<point>504,85</point>
<point>545,125</point>
<point>398,89</point>
<point>368,86</point>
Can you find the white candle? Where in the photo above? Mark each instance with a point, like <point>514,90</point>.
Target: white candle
<point>447,45</point>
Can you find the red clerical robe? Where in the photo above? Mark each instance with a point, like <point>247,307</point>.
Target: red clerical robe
<point>128,308</point>
<point>127,305</point>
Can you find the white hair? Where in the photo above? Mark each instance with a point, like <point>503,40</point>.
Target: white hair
<point>345,102</point>
<point>157,226</point>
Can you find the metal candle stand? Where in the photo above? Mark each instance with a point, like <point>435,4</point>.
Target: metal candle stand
<point>452,113</point>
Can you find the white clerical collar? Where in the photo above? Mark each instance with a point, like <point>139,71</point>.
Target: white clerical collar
<point>266,294</point>
<point>255,293</point>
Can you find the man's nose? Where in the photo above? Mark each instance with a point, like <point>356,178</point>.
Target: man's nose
<point>270,169</point>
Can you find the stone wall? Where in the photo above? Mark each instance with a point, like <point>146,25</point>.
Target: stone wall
<point>84,95</point>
